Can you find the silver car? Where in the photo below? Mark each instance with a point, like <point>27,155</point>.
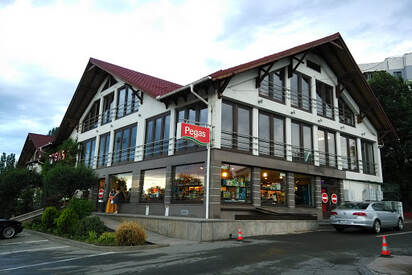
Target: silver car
<point>368,215</point>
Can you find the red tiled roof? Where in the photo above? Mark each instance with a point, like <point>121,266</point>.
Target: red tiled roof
<point>40,140</point>
<point>149,84</point>
<point>273,57</point>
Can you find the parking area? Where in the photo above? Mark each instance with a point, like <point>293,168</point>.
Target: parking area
<point>319,252</point>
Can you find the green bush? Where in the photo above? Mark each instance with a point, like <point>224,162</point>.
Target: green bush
<point>130,233</point>
<point>49,216</point>
<point>67,222</point>
<point>82,207</point>
<point>92,236</point>
<point>88,224</point>
<point>107,238</point>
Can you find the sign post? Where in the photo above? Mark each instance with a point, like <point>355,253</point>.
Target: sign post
<point>200,135</point>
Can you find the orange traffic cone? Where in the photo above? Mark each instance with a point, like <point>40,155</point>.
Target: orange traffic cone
<point>385,252</point>
<point>239,234</point>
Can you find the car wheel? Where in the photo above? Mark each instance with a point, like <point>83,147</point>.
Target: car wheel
<point>9,232</point>
<point>376,226</point>
<point>400,225</point>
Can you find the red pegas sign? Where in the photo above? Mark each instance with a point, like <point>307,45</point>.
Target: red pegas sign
<point>198,134</point>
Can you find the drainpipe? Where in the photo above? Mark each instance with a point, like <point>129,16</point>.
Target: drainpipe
<point>208,152</point>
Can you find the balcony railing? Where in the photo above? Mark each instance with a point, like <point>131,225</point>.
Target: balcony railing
<point>236,141</point>
<point>271,148</point>
<point>300,154</point>
<point>327,159</point>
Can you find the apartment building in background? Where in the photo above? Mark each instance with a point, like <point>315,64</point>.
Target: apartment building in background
<point>399,66</point>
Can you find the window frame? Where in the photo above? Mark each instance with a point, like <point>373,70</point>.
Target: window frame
<point>365,157</point>
<point>107,118</point>
<point>198,106</point>
<point>327,153</point>
<point>348,157</point>
<point>188,201</point>
<point>301,142</point>
<point>125,104</point>
<point>142,174</point>
<point>344,109</point>
<point>235,121</point>
<point>91,119</point>
<point>301,76</point>
<point>272,141</point>
<point>105,152</point>
<point>90,163</point>
<point>162,139</point>
<point>129,151</point>
<point>281,73</point>
<point>322,88</point>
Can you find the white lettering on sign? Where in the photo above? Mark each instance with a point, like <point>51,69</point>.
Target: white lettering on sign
<point>194,133</point>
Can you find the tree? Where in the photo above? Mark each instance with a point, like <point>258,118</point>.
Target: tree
<point>15,191</point>
<point>61,181</point>
<point>70,148</point>
<point>53,132</point>
<point>395,95</point>
<point>7,162</point>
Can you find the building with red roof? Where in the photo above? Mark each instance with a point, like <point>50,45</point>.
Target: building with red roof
<point>285,130</point>
<point>32,153</point>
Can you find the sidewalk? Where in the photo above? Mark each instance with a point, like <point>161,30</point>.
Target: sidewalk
<point>151,237</point>
<point>396,265</point>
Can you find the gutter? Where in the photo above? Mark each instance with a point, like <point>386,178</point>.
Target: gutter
<point>203,79</point>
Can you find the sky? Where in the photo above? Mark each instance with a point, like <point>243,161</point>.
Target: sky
<point>45,44</point>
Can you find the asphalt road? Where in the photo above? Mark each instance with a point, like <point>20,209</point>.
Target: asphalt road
<point>321,252</point>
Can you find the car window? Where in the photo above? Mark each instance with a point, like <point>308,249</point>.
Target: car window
<point>378,206</point>
<point>354,205</point>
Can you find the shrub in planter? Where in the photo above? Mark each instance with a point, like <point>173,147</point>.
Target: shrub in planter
<point>67,222</point>
<point>107,238</point>
<point>49,216</point>
<point>130,233</point>
<point>88,224</point>
<point>92,236</point>
<point>82,207</point>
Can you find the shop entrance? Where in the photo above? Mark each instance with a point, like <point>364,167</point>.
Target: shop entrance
<point>330,187</point>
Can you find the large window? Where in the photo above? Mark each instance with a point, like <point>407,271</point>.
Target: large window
<point>273,86</point>
<point>123,183</point>
<point>236,126</point>
<point>302,146</point>
<point>271,135</point>
<point>107,108</point>
<point>153,187</point>
<point>300,91</point>
<point>124,144</point>
<point>327,148</point>
<point>127,102</point>
<point>91,120</point>
<point>157,136</point>
<point>349,155</point>
<point>273,187</point>
<point>304,191</point>
<point>235,183</point>
<point>188,183</point>
<point>346,115</point>
<point>195,114</point>
<point>103,150</point>
<point>87,152</point>
<point>368,161</point>
<point>324,99</point>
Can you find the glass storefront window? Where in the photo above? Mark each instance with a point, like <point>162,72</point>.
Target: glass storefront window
<point>235,183</point>
<point>153,187</point>
<point>304,193</point>
<point>188,183</point>
<point>123,182</point>
<point>273,187</point>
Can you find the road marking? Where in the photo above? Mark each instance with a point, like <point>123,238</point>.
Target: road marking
<point>402,233</point>
<point>55,262</point>
<point>39,241</point>
<point>33,250</point>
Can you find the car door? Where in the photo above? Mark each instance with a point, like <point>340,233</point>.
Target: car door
<point>391,213</point>
<point>382,215</point>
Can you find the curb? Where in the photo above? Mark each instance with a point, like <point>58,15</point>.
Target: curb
<point>83,245</point>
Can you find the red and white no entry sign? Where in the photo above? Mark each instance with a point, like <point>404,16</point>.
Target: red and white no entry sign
<point>101,193</point>
<point>334,199</point>
<point>324,197</point>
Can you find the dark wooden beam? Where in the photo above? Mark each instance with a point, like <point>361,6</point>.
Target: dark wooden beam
<point>221,85</point>
<point>336,45</point>
<point>363,114</point>
<point>137,93</point>
<point>292,69</point>
<point>262,73</point>
<point>339,89</point>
